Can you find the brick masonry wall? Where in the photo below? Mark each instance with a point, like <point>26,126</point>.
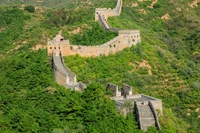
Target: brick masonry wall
<point>126,38</point>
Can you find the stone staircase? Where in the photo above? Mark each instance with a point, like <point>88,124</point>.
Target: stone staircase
<point>146,117</point>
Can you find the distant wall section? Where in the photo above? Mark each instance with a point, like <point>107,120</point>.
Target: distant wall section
<point>126,38</point>
<point>108,12</point>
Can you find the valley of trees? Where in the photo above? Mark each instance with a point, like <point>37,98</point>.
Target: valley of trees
<point>31,101</point>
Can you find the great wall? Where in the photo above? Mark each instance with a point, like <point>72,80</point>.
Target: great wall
<point>125,38</point>
<point>145,107</point>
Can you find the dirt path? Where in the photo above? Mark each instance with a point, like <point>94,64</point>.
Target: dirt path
<point>194,3</point>
<point>153,3</point>
<point>39,46</point>
<point>165,17</point>
<point>145,64</point>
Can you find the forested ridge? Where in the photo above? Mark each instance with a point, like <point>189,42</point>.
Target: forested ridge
<point>165,65</point>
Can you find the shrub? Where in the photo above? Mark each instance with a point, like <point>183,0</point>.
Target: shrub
<point>30,8</point>
<point>157,5</point>
<point>160,53</point>
<point>196,85</point>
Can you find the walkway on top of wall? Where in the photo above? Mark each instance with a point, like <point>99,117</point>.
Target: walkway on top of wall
<point>59,64</point>
<point>145,116</point>
<point>104,13</point>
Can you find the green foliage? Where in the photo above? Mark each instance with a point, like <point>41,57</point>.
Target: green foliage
<point>70,4</point>
<point>61,17</point>
<point>31,101</point>
<point>29,8</point>
<point>94,36</point>
<point>171,48</point>
<point>196,85</point>
<point>12,22</point>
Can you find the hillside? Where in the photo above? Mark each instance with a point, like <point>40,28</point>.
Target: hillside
<point>62,3</point>
<point>165,65</point>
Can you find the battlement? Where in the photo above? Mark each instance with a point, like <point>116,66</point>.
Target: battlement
<point>108,12</point>
<point>145,106</point>
<point>129,32</point>
<point>102,9</point>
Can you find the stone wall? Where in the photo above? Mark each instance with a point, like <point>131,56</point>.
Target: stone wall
<point>114,90</point>
<point>126,38</point>
<point>108,12</point>
<point>145,106</point>
<point>157,124</point>
<point>126,90</point>
<point>62,74</point>
<point>102,14</point>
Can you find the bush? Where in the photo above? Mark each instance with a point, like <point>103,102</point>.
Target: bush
<point>157,5</point>
<point>196,85</point>
<point>160,53</point>
<point>30,8</point>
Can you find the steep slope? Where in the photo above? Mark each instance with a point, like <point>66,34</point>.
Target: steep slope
<point>164,65</point>
<point>61,3</point>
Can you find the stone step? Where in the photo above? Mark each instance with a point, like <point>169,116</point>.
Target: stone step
<point>145,111</point>
<point>145,123</point>
<point>146,116</point>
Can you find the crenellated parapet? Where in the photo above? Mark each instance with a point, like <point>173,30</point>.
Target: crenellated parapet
<point>113,89</point>
<point>102,14</point>
<point>125,38</point>
<point>147,108</point>
<point>63,75</point>
<point>108,12</point>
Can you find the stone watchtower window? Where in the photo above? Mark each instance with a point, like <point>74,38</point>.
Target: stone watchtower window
<point>61,39</point>
<point>50,47</point>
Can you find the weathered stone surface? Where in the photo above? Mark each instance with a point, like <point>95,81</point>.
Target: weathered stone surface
<point>145,107</point>
<point>125,38</point>
<point>63,75</point>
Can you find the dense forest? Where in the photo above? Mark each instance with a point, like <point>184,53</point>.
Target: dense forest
<point>31,101</point>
